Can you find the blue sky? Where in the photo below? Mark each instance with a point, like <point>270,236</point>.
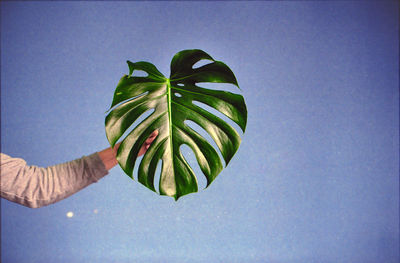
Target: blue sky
<point>316,176</point>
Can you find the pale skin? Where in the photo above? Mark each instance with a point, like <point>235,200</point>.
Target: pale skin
<point>108,156</point>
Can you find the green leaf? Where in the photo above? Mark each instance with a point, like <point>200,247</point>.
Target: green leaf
<point>170,102</point>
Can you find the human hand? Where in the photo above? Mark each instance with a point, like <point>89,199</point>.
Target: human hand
<point>108,156</point>
<point>148,142</point>
<point>145,145</point>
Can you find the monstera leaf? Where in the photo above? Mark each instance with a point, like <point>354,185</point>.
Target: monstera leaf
<point>170,101</point>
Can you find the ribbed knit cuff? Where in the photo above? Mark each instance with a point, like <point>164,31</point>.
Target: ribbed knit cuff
<point>98,170</point>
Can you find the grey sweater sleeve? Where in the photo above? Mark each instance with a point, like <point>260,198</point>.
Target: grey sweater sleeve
<point>35,187</point>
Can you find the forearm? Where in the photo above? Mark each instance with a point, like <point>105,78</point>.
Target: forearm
<point>34,186</point>
<point>108,157</point>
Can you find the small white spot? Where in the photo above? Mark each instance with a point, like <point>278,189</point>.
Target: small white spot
<point>70,214</point>
<point>95,211</point>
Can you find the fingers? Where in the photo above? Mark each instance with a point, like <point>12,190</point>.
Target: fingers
<point>148,142</point>
<point>152,136</point>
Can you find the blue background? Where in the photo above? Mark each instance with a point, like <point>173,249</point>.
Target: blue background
<point>316,178</point>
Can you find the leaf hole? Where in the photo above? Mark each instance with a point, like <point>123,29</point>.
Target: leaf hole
<point>139,73</point>
<point>201,63</point>
<point>180,85</point>
<point>218,114</point>
<point>220,86</point>
<point>141,118</point>
<point>126,100</point>
<point>177,94</point>
<point>157,176</point>
<point>190,158</point>
<point>193,125</point>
